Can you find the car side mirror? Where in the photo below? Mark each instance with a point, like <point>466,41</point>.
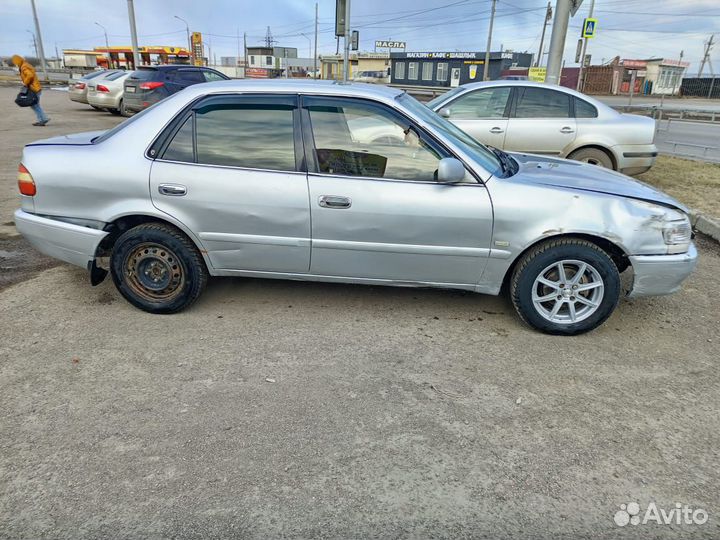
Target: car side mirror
<point>444,112</point>
<point>450,171</point>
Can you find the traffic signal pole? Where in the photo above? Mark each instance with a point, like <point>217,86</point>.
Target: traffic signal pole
<point>582,73</point>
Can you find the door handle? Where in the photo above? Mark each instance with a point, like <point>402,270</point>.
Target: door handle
<point>334,201</point>
<point>174,190</point>
<point>567,129</point>
<point>496,130</point>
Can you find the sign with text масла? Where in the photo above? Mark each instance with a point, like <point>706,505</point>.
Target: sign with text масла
<point>390,44</point>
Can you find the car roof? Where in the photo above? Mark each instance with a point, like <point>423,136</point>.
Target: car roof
<point>303,86</point>
<point>166,67</point>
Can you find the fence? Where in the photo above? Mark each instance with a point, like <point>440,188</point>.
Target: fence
<point>706,87</point>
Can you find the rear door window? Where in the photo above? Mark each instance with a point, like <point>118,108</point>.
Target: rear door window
<point>181,146</point>
<point>584,110</point>
<point>542,103</point>
<point>211,76</point>
<point>191,76</point>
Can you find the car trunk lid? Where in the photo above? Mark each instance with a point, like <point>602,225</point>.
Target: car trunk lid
<point>74,139</point>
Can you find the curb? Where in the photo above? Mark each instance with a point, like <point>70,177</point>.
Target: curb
<point>706,225</point>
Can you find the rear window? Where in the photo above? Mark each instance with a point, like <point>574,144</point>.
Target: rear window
<point>114,76</point>
<point>144,74</point>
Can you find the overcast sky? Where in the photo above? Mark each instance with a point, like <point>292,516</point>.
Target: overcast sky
<point>629,28</point>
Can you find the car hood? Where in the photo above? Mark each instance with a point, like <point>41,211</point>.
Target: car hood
<point>74,139</point>
<point>565,173</point>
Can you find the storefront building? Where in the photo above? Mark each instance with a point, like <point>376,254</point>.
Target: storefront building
<point>450,69</point>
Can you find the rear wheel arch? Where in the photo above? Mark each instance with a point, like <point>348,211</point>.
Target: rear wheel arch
<point>124,223</point>
<point>607,151</point>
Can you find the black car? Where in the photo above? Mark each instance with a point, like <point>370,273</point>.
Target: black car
<point>151,84</point>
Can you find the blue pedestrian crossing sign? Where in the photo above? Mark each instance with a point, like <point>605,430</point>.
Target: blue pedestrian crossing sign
<point>589,27</point>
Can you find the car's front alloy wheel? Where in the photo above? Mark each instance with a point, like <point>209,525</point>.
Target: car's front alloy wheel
<point>566,286</point>
<point>157,268</point>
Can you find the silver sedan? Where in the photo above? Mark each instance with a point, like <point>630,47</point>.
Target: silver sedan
<point>285,179</point>
<point>522,116</point>
<point>107,92</point>
<point>77,90</point>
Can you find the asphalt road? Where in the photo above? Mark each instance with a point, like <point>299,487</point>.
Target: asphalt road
<point>699,140</point>
<point>283,409</point>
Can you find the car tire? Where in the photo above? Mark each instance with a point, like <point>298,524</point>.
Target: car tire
<point>593,156</point>
<point>123,111</point>
<point>114,112</point>
<point>157,268</point>
<point>565,303</point>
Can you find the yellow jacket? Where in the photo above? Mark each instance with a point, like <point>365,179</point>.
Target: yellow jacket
<point>27,73</point>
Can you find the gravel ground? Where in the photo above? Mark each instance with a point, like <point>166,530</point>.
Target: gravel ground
<point>283,409</point>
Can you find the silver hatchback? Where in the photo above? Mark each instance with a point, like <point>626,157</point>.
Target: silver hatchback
<point>346,183</point>
<point>522,116</point>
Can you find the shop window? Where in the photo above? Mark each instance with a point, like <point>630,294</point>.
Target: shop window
<point>427,70</point>
<point>442,72</point>
<point>413,71</point>
<point>400,70</point>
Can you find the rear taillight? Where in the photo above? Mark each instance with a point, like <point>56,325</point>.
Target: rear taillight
<point>80,86</point>
<point>102,88</point>
<point>151,85</point>
<point>25,181</point>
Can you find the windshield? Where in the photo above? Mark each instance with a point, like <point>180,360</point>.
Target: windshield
<point>433,103</point>
<point>482,155</point>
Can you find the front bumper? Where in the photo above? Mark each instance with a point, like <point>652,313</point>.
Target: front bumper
<point>635,158</point>
<point>70,243</point>
<point>656,275</point>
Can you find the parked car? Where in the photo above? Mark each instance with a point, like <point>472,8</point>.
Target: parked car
<point>522,116</point>
<point>373,77</point>
<point>107,92</point>
<point>78,90</point>
<point>268,179</point>
<point>151,84</point>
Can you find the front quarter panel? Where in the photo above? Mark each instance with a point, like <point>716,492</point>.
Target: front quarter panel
<point>526,214</point>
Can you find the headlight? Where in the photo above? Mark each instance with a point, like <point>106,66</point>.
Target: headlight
<point>677,235</point>
<point>674,224</point>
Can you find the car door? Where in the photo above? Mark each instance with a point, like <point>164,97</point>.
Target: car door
<point>230,170</point>
<point>377,211</point>
<point>483,113</point>
<point>540,121</point>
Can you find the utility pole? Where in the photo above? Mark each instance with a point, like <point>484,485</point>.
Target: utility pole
<point>548,16</point>
<point>187,30</point>
<point>34,42</point>
<point>245,53</point>
<point>557,41</point>
<point>39,45</point>
<point>489,42</point>
<point>107,45</point>
<point>706,55</point>
<point>346,57</point>
<point>133,35</point>
<point>581,73</point>
<point>315,58</point>
<point>237,60</point>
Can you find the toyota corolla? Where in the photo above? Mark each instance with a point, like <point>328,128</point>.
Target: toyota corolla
<point>349,183</point>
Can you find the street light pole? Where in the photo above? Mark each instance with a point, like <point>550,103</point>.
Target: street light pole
<point>486,68</point>
<point>133,35</point>
<point>41,51</point>
<point>107,45</point>
<point>557,41</point>
<point>346,55</point>
<point>548,16</point>
<point>187,29</point>
<point>315,58</point>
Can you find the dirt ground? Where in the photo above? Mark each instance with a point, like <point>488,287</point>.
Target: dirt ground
<point>695,183</point>
<point>285,409</point>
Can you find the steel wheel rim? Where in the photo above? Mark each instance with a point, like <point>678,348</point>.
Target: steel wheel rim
<point>568,291</point>
<point>593,161</point>
<point>154,272</point>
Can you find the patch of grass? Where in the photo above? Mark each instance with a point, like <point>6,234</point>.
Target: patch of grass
<point>694,183</point>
